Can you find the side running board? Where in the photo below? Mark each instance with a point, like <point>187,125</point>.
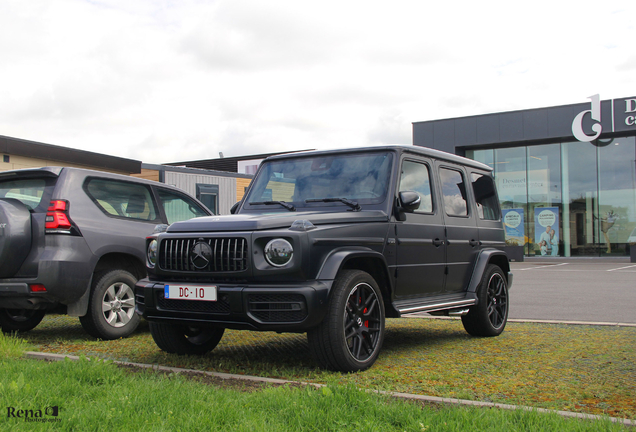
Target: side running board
<point>426,305</point>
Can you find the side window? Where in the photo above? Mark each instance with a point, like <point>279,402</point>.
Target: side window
<point>179,207</point>
<point>416,177</point>
<point>454,191</point>
<point>485,196</point>
<point>120,198</point>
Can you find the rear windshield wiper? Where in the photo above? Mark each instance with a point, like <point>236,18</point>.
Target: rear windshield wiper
<point>282,203</point>
<point>353,204</point>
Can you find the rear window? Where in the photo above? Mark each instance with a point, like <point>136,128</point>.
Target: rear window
<point>30,192</point>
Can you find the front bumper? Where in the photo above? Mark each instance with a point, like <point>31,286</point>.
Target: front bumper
<point>282,307</point>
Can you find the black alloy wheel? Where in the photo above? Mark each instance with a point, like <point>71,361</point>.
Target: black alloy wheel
<point>497,301</point>
<point>489,316</point>
<point>350,337</point>
<point>362,322</point>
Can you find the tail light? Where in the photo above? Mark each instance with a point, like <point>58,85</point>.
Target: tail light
<point>57,219</point>
<point>37,288</point>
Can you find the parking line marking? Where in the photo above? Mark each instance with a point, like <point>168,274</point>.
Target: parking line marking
<point>622,268</point>
<point>545,266</point>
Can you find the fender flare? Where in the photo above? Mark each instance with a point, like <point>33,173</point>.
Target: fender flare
<point>486,257</point>
<point>335,260</point>
<point>338,258</point>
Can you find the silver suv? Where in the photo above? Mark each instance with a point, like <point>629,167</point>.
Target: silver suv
<point>73,241</point>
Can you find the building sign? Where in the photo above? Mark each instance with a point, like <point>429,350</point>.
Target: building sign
<point>514,186</point>
<point>514,226</point>
<point>614,115</point>
<point>546,230</point>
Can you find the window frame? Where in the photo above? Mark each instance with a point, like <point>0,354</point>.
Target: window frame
<point>431,183</point>
<point>208,189</point>
<point>467,199</point>
<point>148,188</point>
<point>472,173</point>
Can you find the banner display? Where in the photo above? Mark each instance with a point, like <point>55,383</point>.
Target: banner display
<point>514,226</point>
<point>546,230</point>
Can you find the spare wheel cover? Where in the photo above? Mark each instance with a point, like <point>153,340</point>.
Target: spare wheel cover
<point>15,235</point>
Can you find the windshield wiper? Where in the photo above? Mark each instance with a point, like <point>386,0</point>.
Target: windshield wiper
<point>282,203</point>
<point>353,204</point>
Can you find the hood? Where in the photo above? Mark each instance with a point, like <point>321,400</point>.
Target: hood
<point>257,222</point>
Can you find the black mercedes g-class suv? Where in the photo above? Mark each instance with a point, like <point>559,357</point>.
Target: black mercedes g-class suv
<point>330,243</point>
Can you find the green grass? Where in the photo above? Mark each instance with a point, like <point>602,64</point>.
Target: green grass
<point>587,369</point>
<point>97,395</point>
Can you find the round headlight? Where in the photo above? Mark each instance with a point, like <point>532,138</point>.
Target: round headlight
<point>152,252</point>
<point>278,252</point>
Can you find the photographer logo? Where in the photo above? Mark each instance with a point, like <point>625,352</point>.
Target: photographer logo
<point>43,415</point>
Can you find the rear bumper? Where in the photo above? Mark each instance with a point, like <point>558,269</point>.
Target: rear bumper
<point>65,271</point>
<point>283,307</point>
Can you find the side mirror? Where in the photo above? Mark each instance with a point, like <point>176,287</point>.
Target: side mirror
<point>409,201</point>
<point>235,207</point>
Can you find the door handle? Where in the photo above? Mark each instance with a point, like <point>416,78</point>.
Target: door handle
<point>437,242</point>
<point>474,243</point>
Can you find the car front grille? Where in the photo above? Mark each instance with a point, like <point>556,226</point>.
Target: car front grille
<point>221,254</point>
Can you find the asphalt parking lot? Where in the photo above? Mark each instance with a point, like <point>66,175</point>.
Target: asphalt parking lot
<point>586,289</point>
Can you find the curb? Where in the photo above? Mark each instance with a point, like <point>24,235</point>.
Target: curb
<point>406,396</point>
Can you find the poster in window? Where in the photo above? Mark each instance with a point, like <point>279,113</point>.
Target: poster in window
<point>514,226</point>
<point>546,230</point>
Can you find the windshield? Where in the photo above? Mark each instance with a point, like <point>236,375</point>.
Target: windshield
<point>28,191</point>
<point>347,180</point>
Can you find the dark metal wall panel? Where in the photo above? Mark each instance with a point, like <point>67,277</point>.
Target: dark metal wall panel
<point>560,120</point>
<point>423,134</point>
<point>488,130</point>
<point>511,126</point>
<point>444,135</point>
<point>466,130</point>
<point>535,126</point>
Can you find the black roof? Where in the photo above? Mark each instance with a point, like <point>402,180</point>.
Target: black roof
<point>424,151</point>
<point>33,149</point>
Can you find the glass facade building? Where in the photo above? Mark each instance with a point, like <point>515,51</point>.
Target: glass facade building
<point>566,176</point>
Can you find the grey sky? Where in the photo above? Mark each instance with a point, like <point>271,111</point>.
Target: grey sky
<point>164,81</point>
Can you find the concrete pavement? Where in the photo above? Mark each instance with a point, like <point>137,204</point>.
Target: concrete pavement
<point>574,289</point>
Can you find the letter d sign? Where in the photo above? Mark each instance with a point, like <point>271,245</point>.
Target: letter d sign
<point>577,124</point>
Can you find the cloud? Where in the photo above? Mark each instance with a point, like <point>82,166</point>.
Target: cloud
<point>165,81</point>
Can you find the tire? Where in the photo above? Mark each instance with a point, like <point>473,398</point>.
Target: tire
<point>350,337</point>
<point>489,316</point>
<point>184,340</point>
<point>13,320</point>
<point>111,308</point>
<point>15,236</point>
